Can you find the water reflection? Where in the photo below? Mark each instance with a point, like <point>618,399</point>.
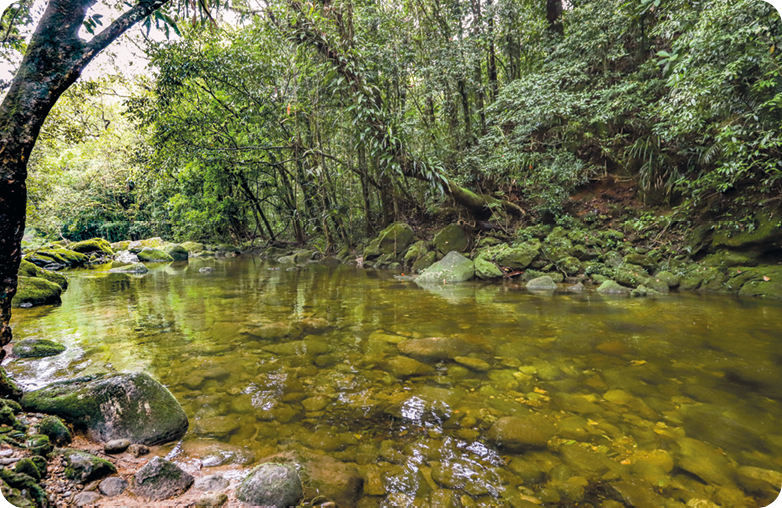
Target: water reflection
<point>670,400</point>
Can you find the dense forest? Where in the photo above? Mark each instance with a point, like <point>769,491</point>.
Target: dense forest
<point>324,122</point>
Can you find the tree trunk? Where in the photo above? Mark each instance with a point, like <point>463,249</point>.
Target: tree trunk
<point>54,59</point>
<point>554,16</point>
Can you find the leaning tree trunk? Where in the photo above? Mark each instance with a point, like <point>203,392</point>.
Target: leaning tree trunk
<point>54,60</point>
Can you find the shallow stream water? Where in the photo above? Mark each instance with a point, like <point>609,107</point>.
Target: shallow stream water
<point>666,401</point>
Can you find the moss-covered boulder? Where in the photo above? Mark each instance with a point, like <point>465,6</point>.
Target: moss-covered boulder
<point>176,251</point>
<point>570,265</point>
<point>451,238</point>
<point>640,260</point>
<point>271,484</point>
<point>224,247</point>
<point>28,467</point>
<point>557,245</point>
<point>160,479</point>
<point>631,275</point>
<point>118,246</point>
<point>193,246</point>
<point>93,245</point>
<point>55,430</point>
<point>452,268</point>
<point>644,291</point>
<point>32,291</point>
<point>766,282</point>
<point>486,270</point>
<point>545,283</point>
<point>424,262</point>
<point>27,269</point>
<point>727,259</point>
<point>610,287</point>
<point>152,255</point>
<point>671,280</point>
<point>518,257</point>
<point>57,256</point>
<point>21,489</point>
<point>415,252</point>
<point>124,406</point>
<point>37,348</point>
<point>83,467</point>
<point>393,240</point>
<point>765,236</point>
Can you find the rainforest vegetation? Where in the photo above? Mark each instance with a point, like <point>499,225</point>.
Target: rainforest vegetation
<point>324,122</point>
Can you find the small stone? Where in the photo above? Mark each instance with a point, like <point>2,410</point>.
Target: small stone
<point>113,486</point>
<point>211,483</point>
<point>137,450</point>
<point>86,498</point>
<point>473,363</point>
<point>116,446</point>
<point>271,484</point>
<point>161,479</point>
<point>216,499</point>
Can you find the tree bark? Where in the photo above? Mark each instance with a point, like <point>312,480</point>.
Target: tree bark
<point>54,59</point>
<point>554,16</point>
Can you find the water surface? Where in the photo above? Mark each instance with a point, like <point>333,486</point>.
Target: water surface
<point>659,401</point>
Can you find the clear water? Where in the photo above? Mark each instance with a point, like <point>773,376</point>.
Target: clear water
<point>658,401</point>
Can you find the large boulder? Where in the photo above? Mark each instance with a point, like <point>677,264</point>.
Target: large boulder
<point>545,283</point>
<point>451,238</point>
<point>57,256</point>
<point>271,484</point>
<point>176,251</point>
<point>160,479</point>
<point>518,257</point>
<point>124,406</point>
<point>452,268</point>
<point>393,240</point>
<point>28,269</point>
<point>95,245</point>
<point>765,236</point>
<point>149,254</point>
<point>35,291</point>
<point>486,270</point>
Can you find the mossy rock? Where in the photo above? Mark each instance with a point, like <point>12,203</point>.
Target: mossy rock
<point>193,246</point>
<point>640,260</point>
<point>136,268</point>
<point>303,256</point>
<point>57,256</point>
<point>642,290</point>
<point>152,255</point>
<point>631,275</point>
<point>486,270</point>
<point>518,257</point>
<point>765,236</point>
<point>424,262</point>
<point>160,479</point>
<point>203,254</point>
<point>570,265</point>
<point>37,348</point>
<point>451,238</point>
<point>758,286</point>
<point>55,430</point>
<point>124,406</point>
<point>119,246</point>
<point>557,246</point>
<point>452,268</point>
<point>612,287</point>
<point>93,245</point>
<point>224,247</point>
<point>544,283</point>
<point>415,252</point>
<point>671,280</point>
<point>728,259</point>
<point>27,269</point>
<point>83,467</point>
<point>393,240</point>
<point>39,444</point>
<point>32,291</point>
<point>713,280</point>
<point>28,467</point>
<point>155,242</point>
<point>21,482</point>
<point>657,285</point>
<point>271,484</point>
<point>176,251</point>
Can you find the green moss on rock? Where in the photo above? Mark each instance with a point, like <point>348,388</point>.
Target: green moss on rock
<point>486,270</point>
<point>193,246</point>
<point>271,484</point>
<point>36,291</point>
<point>451,238</point>
<point>452,268</point>
<point>612,287</point>
<point>424,262</point>
<point>55,430</point>
<point>152,255</point>
<point>21,482</point>
<point>765,236</point>
<point>27,466</point>
<point>518,257</point>
<point>124,406</point>
<point>83,467</point>
<point>176,251</point>
<point>27,269</point>
<point>93,245</point>
<point>37,348</point>
<point>60,256</point>
<point>393,240</point>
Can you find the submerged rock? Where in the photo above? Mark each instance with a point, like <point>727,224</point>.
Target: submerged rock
<point>160,479</point>
<point>435,348</point>
<point>610,287</point>
<point>37,348</point>
<point>271,484</point>
<point>402,366</point>
<point>521,433</point>
<point>452,268</point>
<point>129,406</point>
